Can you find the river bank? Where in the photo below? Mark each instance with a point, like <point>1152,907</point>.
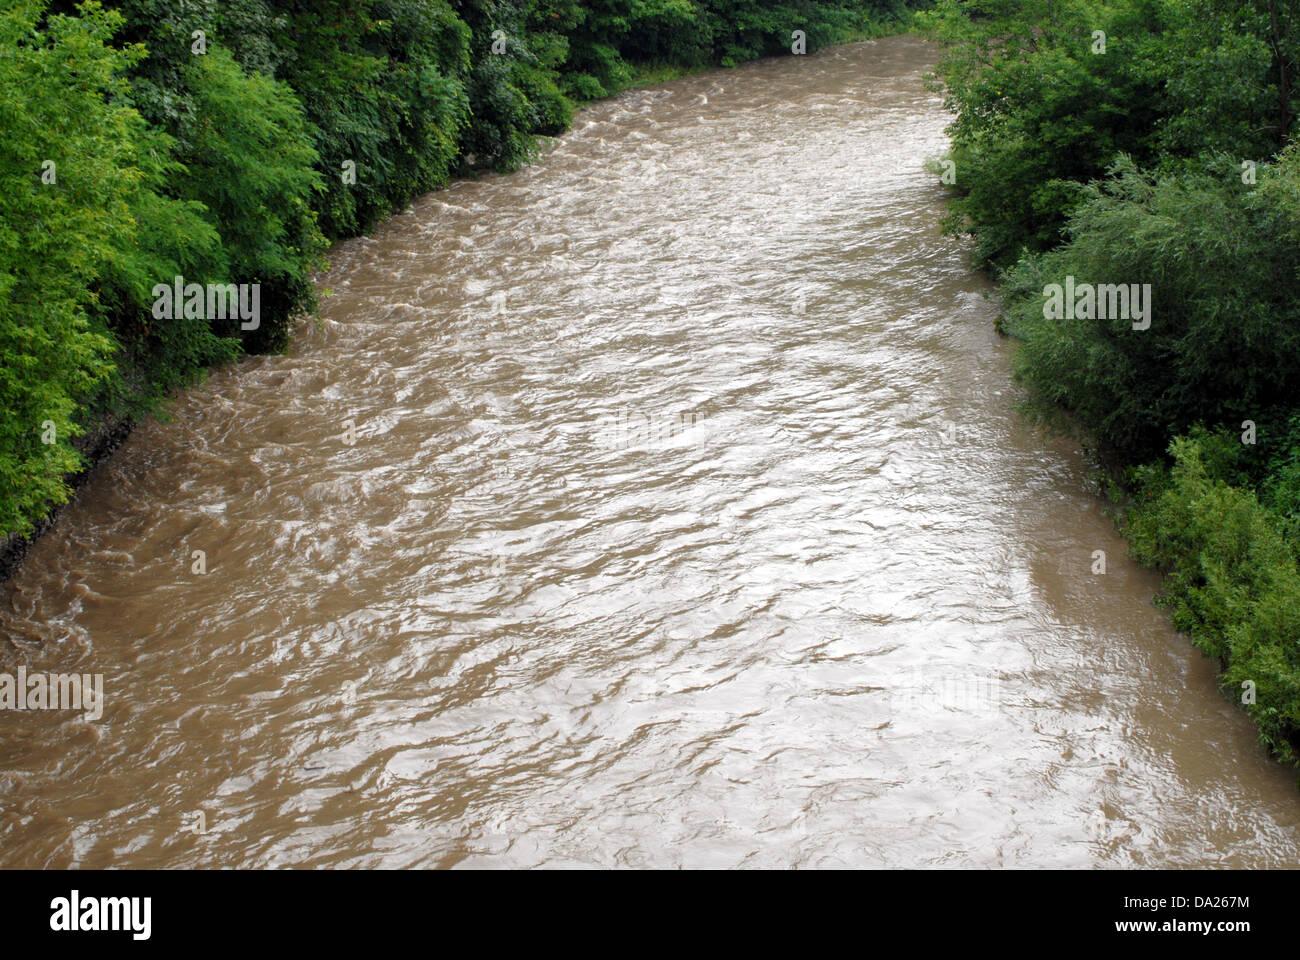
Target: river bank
<point>1136,188</point>
<point>104,424</point>
<point>709,547</point>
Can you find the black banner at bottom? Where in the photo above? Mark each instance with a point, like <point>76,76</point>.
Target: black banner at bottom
<point>303,909</point>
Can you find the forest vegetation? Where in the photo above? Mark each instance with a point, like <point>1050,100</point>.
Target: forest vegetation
<point>1151,142</point>
<point>228,143</point>
<point>1133,145</point>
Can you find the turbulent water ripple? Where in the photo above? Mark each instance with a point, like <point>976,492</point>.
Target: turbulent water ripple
<point>662,503</point>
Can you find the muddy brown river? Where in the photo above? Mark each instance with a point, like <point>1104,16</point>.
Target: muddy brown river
<point>662,504</point>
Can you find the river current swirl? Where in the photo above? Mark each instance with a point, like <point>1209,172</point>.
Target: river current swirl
<point>663,503</point>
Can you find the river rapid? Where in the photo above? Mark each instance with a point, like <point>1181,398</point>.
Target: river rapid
<point>663,503</point>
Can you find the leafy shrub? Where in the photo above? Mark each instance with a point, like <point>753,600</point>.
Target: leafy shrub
<point>1224,337</point>
<point>234,158</point>
<point>1124,166</point>
<point>57,239</point>
<point>250,164</point>
<point>1232,584</point>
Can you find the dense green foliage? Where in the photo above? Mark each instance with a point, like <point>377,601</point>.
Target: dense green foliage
<point>1040,112</point>
<point>1163,158</point>
<point>1232,582</point>
<point>55,243</point>
<point>228,142</point>
<point>1224,340</point>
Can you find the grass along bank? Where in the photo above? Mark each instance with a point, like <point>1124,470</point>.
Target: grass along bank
<point>1144,148</point>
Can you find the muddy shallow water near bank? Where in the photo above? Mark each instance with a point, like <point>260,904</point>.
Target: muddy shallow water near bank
<point>662,503</point>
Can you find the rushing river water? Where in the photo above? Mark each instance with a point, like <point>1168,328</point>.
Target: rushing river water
<point>662,503</point>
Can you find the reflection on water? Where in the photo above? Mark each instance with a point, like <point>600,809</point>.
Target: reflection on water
<point>660,504</point>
